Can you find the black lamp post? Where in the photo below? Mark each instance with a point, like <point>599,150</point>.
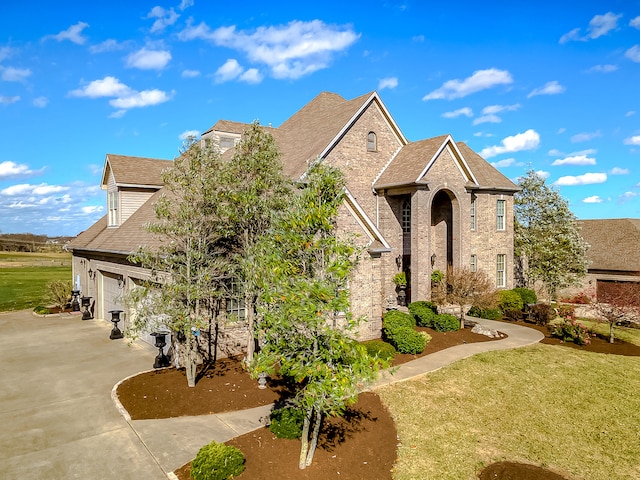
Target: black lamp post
<point>115,331</point>
<point>161,359</point>
<point>86,303</point>
<point>75,306</point>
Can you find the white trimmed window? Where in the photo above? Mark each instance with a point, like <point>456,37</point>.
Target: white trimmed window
<point>372,142</point>
<point>236,307</point>
<point>473,265</point>
<point>406,216</point>
<point>500,270</point>
<point>473,212</point>
<point>112,199</point>
<point>500,209</point>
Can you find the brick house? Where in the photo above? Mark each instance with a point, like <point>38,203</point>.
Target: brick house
<point>414,206</point>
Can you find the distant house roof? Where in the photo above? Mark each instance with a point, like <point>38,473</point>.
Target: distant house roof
<point>614,244</point>
<point>134,171</point>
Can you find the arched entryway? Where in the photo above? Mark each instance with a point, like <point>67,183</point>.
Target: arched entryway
<point>443,230</point>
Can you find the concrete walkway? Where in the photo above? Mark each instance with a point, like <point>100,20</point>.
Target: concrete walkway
<point>58,416</point>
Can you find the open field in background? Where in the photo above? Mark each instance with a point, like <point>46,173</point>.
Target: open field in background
<point>575,412</point>
<point>24,277</point>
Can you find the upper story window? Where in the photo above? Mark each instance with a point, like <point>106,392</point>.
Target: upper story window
<point>227,142</point>
<point>500,270</point>
<point>236,308</point>
<point>372,142</point>
<point>500,220</point>
<point>472,218</point>
<point>406,216</point>
<point>112,200</point>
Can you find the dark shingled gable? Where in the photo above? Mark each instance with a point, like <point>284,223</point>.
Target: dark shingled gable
<point>614,244</point>
<point>137,170</point>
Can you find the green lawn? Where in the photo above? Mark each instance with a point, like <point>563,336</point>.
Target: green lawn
<point>573,411</point>
<point>24,278</point>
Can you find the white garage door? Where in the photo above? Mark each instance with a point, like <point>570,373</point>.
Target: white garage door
<point>111,296</point>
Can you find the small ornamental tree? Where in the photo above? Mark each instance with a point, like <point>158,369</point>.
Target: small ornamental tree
<point>466,288</point>
<point>618,304</point>
<point>306,326</point>
<point>547,238</point>
<point>190,264</point>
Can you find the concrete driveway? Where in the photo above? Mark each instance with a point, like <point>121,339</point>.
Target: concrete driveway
<point>57,419</point>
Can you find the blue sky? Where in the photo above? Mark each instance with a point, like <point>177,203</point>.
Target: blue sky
<point>539,85</point>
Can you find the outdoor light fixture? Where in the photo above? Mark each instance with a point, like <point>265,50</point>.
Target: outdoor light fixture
<point>161,359</point>
<point>433,259</point>
<point>121,282</point>
<point>92,274</point>
<point>86,303</point>
<point>75,306</point>
<point>115,331</point>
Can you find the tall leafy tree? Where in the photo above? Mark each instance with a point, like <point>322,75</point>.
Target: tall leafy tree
<point>256,191</point>
<point>548,243</point>
<point>307,331</point>
<point>190,269</point>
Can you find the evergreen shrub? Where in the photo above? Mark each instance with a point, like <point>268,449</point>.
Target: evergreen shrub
<point>510,300</point>
<point>381,349</point>
<point>445,322</point>
<point>395,318</point>
<point>527,295</point>
<point>407,340</point>
<point>217,461</point>
<point>488,313</point>
<point>423,312</point>
<point>541,313</point>
<point>287,422</point>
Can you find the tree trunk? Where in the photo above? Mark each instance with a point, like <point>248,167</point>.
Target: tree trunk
<point>304,447</point>
<point>251,342</point>
<point>611,339</point>
<point>191,363</point>
<point>314,438</point>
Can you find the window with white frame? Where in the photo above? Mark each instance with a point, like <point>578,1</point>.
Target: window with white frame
<point>372,142</point>
<point>112,199</point>
<point>236,307</point>
<point>500,209</point>
<point>473,212</point>
<point>473,265</point>
<point>500,270</point>
<point>406,216</point>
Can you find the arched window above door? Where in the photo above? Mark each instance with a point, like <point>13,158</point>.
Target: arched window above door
<point>372,142</point>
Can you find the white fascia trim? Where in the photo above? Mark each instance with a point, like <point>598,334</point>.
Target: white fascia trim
<point>369,226</point>
<point>445,143</point>
<point>395,154</point>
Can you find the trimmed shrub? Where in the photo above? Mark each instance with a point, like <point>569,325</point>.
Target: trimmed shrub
<point>488,313</point>
<point>510,300</point>
<point>217,461</point>
<point>572,331</point>
<point>427,337</point>
<point>527,295</point>
<point>395,318</point>
<point>541,313</point>
<point>378,348</point>
<point>423,312</point>
<point>407,340</point>
<point>514,315</point>
<point>445,322</point>
<point>287,422</point>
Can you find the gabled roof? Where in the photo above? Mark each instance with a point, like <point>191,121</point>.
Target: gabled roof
<point>134,171</point>
<point>122,240</point>
<point>414,160</point>
<point>613,244</point>
<point>315,129</point>
<point>227,126</point>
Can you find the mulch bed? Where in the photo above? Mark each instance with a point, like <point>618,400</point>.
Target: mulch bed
<point>362,445</point>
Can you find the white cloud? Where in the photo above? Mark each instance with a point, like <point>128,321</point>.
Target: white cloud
<point>549,88</point>
<point>190,73</point>
<point>5,52</point>
<point>290,51</point>
<point>12,74</point>
<point>635,140</point>
<point>9,169</point>
<point>73,34</point>
<point>466,111</point>
<point>189,134</point>
<point>507,162</point>
<point>585,136</point>
<point>493,109</point>
<point>28,189</point>
<point>630,113</point>
<point>126,97</point>
<point>543,174</point>
<point>4,100</point>
<point>109,45</point>
<point>592,199</point>
<point>598,26</point>
<point>164,18</point>
<point>585,179</point>
<point>389,82</point>
<point>619,171</point>
<point>633,54</point>
<point>251,75</point>
<point>626,196</point>
<point>487,119</point>
<point>575,160</point>
<point>603,68</point>
<point>144,98</point>
<point>479,80</point>
<point>229,71</point>
<point>90,209</point>
<point>145,59</point>
<point>40,102</point>
<point>184,4</point>
<point>528,140</point>
<point>635,22</point>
